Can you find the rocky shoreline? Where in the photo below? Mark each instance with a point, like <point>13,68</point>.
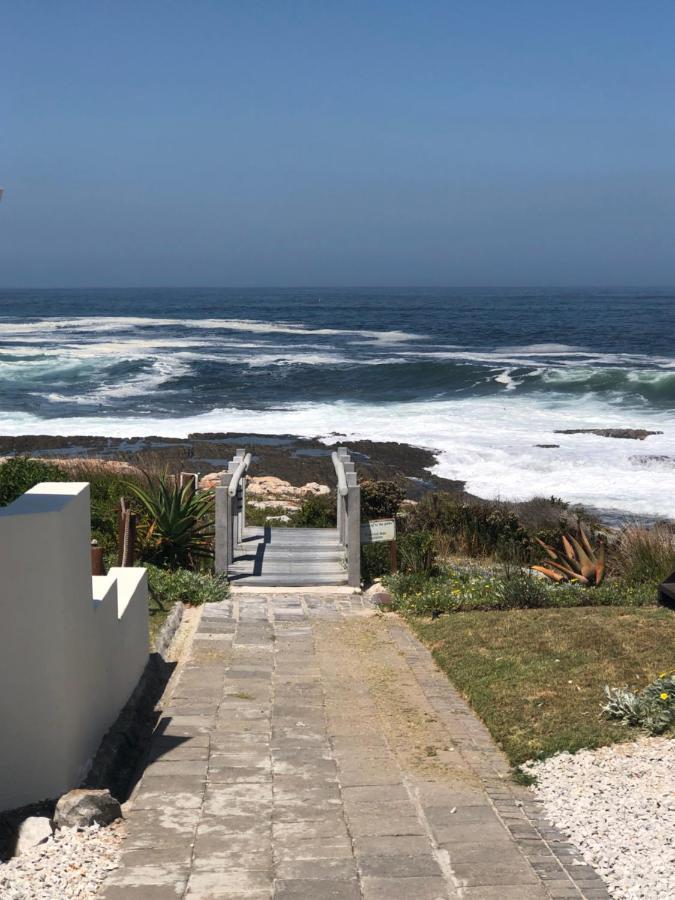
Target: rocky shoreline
<point>294,459</point>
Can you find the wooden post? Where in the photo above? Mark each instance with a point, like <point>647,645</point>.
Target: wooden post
<point>231,524</point>
<point>393,557</point>
<point>97,567</point>
<point>126,535</point>
<point>340,516</point>
<point>353,531</point>
<point>221,562</point>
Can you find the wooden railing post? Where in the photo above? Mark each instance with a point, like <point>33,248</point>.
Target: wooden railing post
<point>221,539</point>
<point>239,499</point>
<point>353,531</point>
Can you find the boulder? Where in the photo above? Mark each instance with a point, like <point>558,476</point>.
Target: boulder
<point>210,481</point>
<point>32,831</point>
<point>85,806</point>
<point>379,595</point>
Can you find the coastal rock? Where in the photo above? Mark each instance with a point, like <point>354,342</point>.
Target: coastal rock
<point>33,831</point>
<point>270,487</point>
<point>85,806</point>
<point>275,504</point>
<point>210,481</point>
<point>633,434</point>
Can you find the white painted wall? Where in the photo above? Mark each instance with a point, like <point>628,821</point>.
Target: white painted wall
<point>72,647</point>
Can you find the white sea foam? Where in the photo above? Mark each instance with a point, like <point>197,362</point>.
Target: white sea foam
<point>489,443</point>
<point>103,324</point>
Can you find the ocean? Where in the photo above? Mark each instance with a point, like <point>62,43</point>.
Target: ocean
<point>486,377</point>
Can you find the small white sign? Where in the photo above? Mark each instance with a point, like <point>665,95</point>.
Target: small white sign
<point>378,530</point>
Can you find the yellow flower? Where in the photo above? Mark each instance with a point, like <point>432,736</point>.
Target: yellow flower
<point>664,696</point>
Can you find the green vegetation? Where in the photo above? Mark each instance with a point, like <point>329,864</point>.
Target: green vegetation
<point>536,677</point>
<point>167,587</point>
<point>316,512</point>
<point>470,586</point>
<point>381,499</point>
<point>469,529</point>
<point>20,474</point>
<point>644,554</point>
<point>652,708</point>
<point>178,531</point>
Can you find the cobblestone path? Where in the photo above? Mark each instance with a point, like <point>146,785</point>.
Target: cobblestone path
<point>311,750</point>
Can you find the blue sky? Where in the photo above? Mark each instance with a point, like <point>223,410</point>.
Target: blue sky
<point>343,143</point>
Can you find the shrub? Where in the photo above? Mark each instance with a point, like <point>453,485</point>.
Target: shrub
<point>375,561</point>
<point>381,499</point>
<point>106,488</point>
<point>524,591</point>
<point>645,554</point>
<point>20,474</point>
<point>473,529</point>
<point>257,515</point>
<point>479,588</point>
<point>166,587</point>
<point>416,553</point>
<point>652,708</point>
<point>316,512</point>
<point>180,522</point>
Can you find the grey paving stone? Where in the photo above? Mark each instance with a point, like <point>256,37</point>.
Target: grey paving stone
<point>405,889</point>
<point>332,847</point>
<point>173,767</point>
<point>227,885</point>
<point>399,866</point>
<point>384,825</point>
<point>306,889</point>
<point>143,891</point>
<point>239,774</point>
<point>158,828</point>
<point>317,869</point>
<point>506,892</point>
<point>391,845</point>
<point>462,832</point>
<point>487,863</point>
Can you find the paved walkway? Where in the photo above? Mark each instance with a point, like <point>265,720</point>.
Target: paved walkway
<point>312,751</point>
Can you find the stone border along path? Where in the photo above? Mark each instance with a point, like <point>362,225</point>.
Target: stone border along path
<point>311,750</point>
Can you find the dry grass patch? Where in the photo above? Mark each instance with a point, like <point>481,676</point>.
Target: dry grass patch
<point>536,677</point>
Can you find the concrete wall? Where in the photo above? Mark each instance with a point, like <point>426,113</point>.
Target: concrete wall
<point>72,647</point>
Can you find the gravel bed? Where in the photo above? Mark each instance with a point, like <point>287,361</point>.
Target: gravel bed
<point>617,804</point>
<point>72,864</point>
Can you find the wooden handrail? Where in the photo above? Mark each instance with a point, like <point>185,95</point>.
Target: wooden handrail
<point>241,469</point>
<point>340,472</point>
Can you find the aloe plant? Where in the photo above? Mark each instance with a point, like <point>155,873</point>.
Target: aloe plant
<point>578,561</point>
<point>180,528</point>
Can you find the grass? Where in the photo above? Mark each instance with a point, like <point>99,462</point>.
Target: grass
<point>156,618</point>
<point>536,677</point>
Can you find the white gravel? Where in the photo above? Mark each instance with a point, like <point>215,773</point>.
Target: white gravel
<point>617,804</point>
<point>72,864</point>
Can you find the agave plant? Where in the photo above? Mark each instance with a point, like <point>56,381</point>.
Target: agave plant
<point>180,528</point>
<point>578,561</point>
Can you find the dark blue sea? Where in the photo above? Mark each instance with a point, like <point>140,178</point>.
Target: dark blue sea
<point>484,376</point>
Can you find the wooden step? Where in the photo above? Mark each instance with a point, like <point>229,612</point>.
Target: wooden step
<point>289,580</point>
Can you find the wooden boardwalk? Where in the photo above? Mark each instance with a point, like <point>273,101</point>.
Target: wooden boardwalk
<point>289,557</point>
<point>265,556</point>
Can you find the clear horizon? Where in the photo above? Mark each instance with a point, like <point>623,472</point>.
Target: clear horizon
<point>373,145</point>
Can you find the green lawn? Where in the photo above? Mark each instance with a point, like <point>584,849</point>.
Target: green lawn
<point>536,677</point>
